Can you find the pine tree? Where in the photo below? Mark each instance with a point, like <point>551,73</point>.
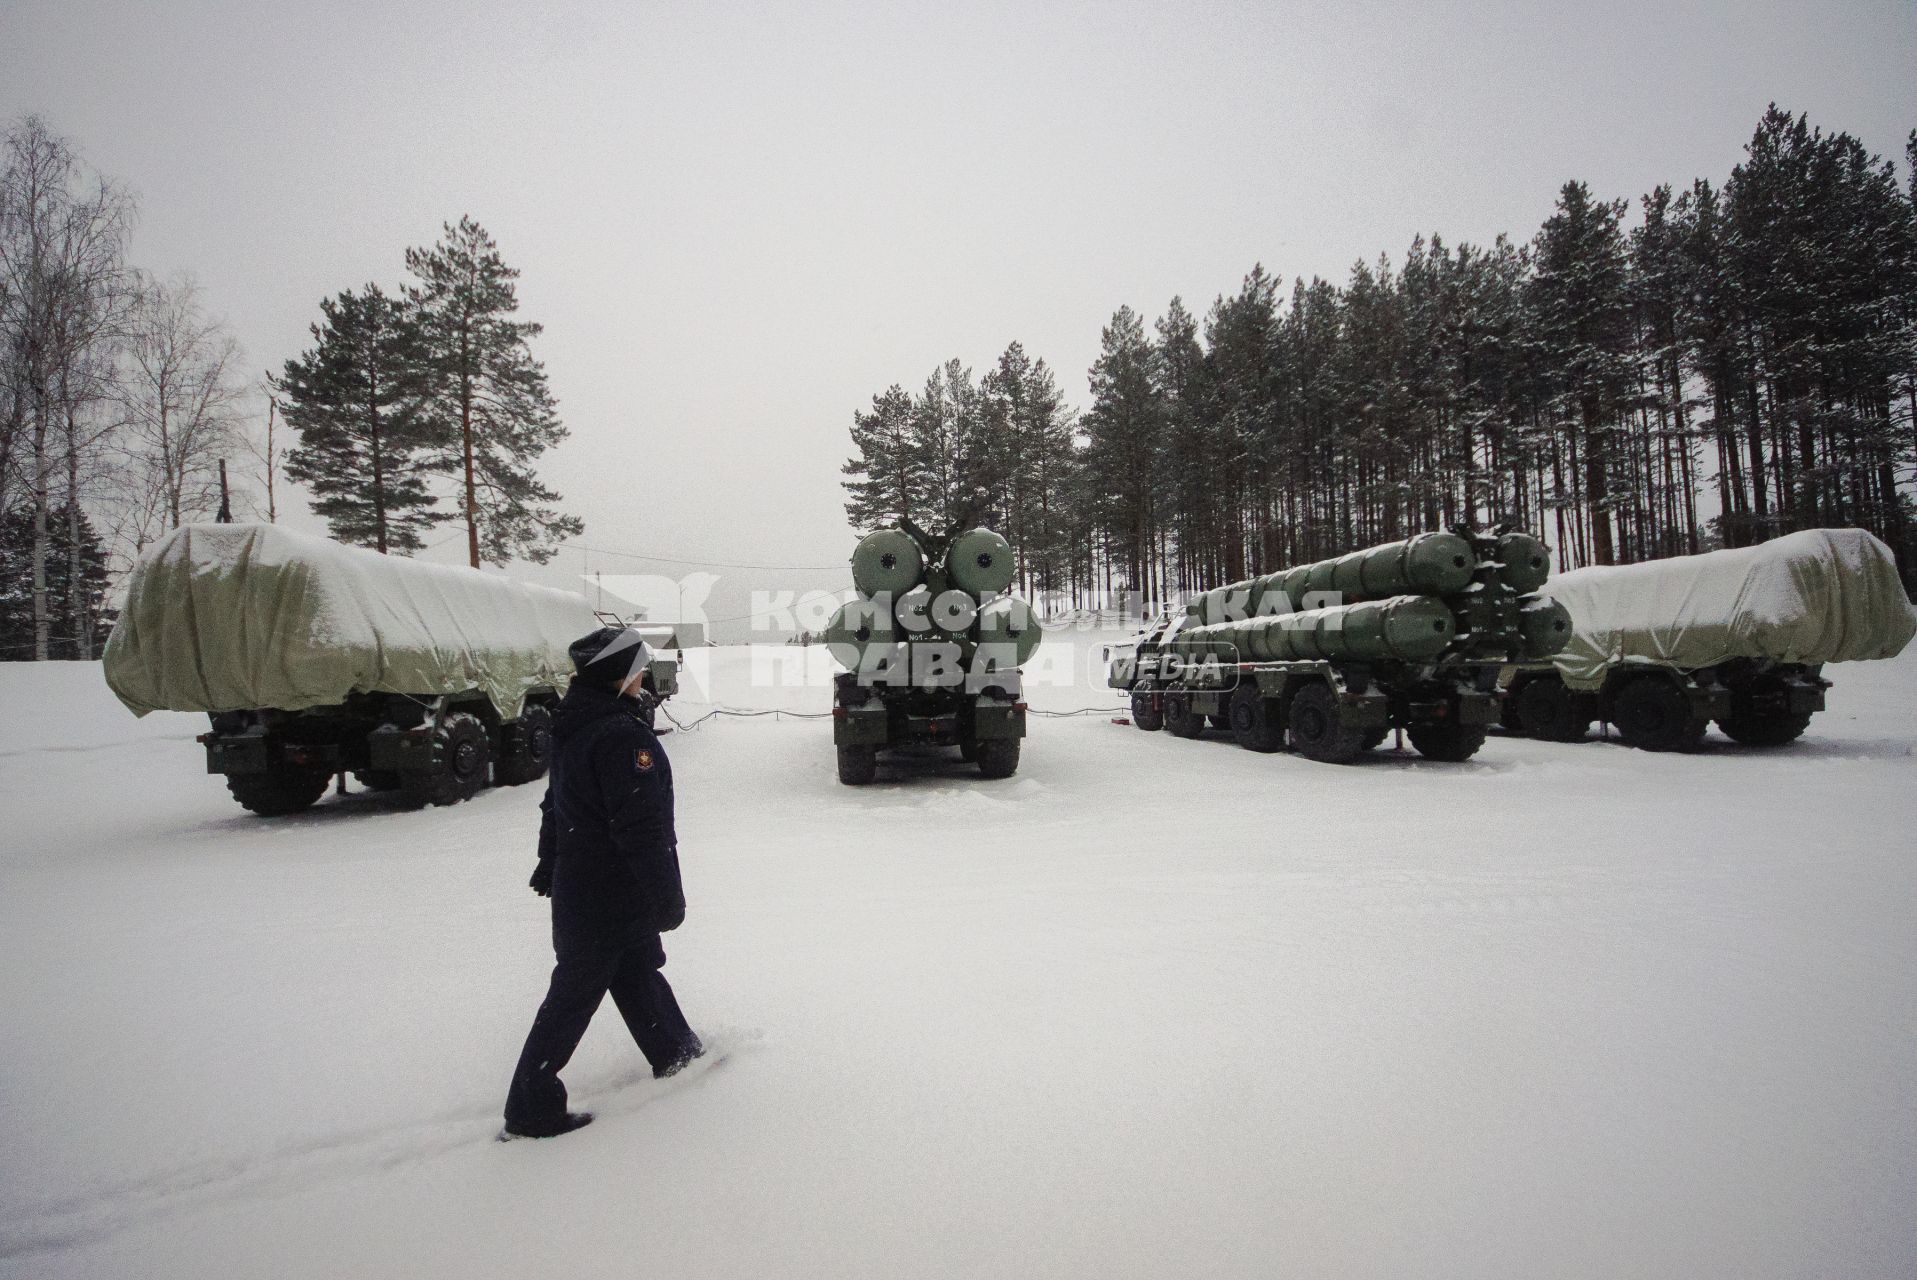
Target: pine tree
<point>490,394</point>
<point>885,481</point>
<point>1240,418</point>
<point>1052,469</point>
<point>1584,331</point>
<point>1908,313</point>
<point>1124,428</point>
<point>1825,262</point>
<point>1027,445</point>
<point>949,439</point>
<point>16,585</point>
<point>368,445</point>
<point>1658,280</point>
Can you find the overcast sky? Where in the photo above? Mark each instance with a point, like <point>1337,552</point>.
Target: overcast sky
<point>737,223</point>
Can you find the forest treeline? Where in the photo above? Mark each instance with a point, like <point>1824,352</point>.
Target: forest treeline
<point>1714,366</point>
<point>124,412</point>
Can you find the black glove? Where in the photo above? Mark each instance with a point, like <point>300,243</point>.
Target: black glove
<point>669,917</point>
<point>541,882</point>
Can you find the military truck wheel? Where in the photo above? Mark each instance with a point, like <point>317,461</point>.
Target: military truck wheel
<point>1374,738</point>
<point>1220,721</point>
<point>462,763</point>
<point>858,764</point>
<point>968,750</point>
<point>1446,740</point>
<point>1314,729</point>
<point>278,793</point>
<point>1764,728</point>
<point>377,779</point>
<point>1254,720</point>
<point>998,757</point>
<point>1180,719</point>
<point>1147,714</point>
<point>1548,710</point>
<point>1652,714</point>
<point>531,752</point>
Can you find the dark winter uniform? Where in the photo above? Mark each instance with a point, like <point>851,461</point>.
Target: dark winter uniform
<point>609,858</point>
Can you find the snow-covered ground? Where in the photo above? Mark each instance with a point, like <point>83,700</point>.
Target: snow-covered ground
<point>1150,1008</point>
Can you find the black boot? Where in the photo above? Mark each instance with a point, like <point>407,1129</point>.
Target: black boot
<point>565,1124</point>
<point>678,1061</point>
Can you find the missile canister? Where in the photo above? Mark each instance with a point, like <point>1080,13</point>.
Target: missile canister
<point>1404,628</point>
<point>857,628</point>
<point>1009,621</point>
<point>887,561</point>
<point>1545,628</point>
<point>926,616</point>
<point>954,601</point>
<point>1222,604</point>
<point>980,562</point>
<point>1437,564</point>
<point>1526,562</point>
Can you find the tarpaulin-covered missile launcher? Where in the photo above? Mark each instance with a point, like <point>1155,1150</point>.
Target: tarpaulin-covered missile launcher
<point>314,659</point>
<point>1328,658</point>
<point>931,650</point>
<point>1740,637</point>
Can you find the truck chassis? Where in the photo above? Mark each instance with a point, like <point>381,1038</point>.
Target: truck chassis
<point>1324,710</point>
<point>432,749</point>
<point>1663,708</point>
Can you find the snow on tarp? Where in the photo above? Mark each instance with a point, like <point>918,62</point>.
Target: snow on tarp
<point>238,616</point>
<point>1823,595</point>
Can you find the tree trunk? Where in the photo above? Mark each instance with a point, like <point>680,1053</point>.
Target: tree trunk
<point>1760,497</point>
<point>42,615</point>
<point>1594,486</point>
<point>79,615</point>
<point>466,443</point>
<point>379,458</point>
<point>272,464</point>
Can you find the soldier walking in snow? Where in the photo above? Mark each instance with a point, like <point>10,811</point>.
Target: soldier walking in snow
<point>609,861</point>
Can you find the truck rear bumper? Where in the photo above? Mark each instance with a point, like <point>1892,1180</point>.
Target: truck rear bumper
<point>866,726</point>
<point>993,720</point>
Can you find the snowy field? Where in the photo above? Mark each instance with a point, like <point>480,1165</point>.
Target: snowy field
<point>1151,1008</point>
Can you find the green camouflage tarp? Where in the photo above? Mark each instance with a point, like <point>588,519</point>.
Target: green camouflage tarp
<point>1823,595</point>
<point>235,617</point>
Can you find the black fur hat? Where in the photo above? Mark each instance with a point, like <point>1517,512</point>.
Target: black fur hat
<point>610,654</point>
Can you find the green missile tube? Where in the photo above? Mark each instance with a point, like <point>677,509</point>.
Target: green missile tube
<point>980,562</point>
<point>887,562</point>
<point>1404,628</point>
<point>922,620</point>
<point>1010,622</point>
<point>1525,562</point>
<point>1436,564</point>
<point>1544,628</point>
<point>857,627</point>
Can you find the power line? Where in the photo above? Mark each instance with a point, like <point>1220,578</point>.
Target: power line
<point>781,714</point>
<point>707,564</point>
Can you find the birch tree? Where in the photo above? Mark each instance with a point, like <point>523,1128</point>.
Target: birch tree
<point>182,403</point>
<point>62,285</point>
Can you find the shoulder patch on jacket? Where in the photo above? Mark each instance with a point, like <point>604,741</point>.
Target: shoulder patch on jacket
<point>642,760</point>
